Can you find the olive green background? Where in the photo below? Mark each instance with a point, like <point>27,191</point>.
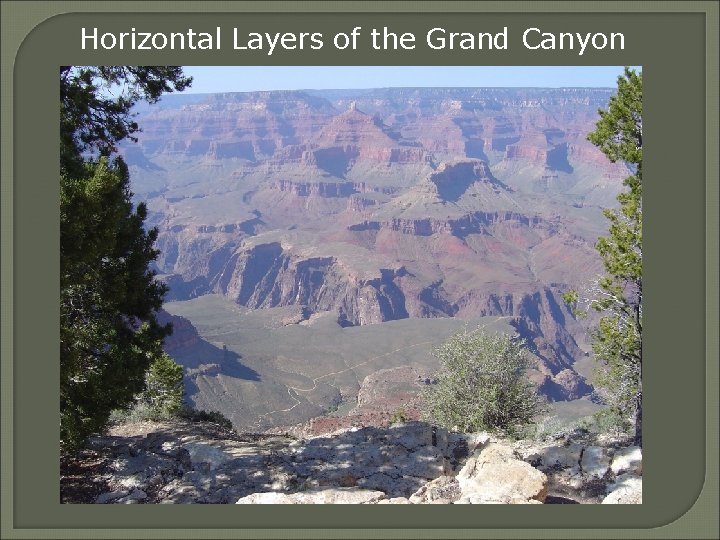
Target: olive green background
<point>676,45</point>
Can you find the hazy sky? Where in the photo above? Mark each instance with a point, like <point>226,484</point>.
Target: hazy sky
<point>209,79</point>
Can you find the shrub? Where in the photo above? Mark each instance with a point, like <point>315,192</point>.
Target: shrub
<point>552,427</point>
<point>481,385</point>
<point>545,427</point>
<point>139,412</point>
<point>399,417</point>
<point>162,397</point>
<point>216,417</point>
<point>611,421</point>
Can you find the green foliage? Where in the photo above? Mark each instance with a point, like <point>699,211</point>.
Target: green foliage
<point>610,421</point>
<point>618,133</point>
<point>108,295</point>
<point>617,340</point>
<point>332,408</point>
<point>399,417</point>
<point>481,385</point>
<point>572,298</point>
<point>96,102</point>
<point>162,397</point>
<point>214,417</point>
<point>138,412</point>
<point>549,427</point>
<point>108,331</point>
<point>544,427</point>
<point>164,389</point>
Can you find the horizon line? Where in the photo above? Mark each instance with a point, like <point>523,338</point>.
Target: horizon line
<point>186,92</point>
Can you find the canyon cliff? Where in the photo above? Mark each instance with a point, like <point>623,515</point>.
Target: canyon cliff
<point>358,208</point>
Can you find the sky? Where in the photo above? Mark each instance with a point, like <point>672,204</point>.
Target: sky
<point>210,79</point>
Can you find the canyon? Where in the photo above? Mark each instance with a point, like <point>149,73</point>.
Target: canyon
<point>319,244</point>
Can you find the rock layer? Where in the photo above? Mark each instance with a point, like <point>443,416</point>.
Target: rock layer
<point>385,204</point>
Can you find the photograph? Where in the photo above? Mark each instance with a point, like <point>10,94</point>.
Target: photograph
<point>350,284</point>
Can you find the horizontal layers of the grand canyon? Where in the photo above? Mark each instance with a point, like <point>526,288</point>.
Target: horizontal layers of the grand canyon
<point>379,205</point>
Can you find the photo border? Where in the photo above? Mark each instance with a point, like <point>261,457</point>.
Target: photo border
<point>30,217</point>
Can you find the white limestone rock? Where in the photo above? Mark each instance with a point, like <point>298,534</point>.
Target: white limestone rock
<point>316,496</point>
<point>442,490</point>
<point>627,460</point>
<point>201,452</point>
<point>627,489</point>
<point>496,476</point>
<point>132,498</point>
<point>111,496</point>
<point>394,500</point>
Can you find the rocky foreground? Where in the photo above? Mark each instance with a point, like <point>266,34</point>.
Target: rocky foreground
<point>412,463</point>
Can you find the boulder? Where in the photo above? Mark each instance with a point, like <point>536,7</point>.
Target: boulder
<point>411,463</point>
<point>425,462</point>
<point>410,435</point>
<point>393,486</point>
<point>266,498</point>
<point>496,476</point>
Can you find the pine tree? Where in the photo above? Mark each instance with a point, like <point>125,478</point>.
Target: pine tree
<point>617,340</point>
<point>163,392</point>
<point>108,294</point>
<point>96,103</point>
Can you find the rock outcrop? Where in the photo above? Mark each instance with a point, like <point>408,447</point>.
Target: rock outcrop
<point>183,334</point>
<point>565,385</point>
<point>411,463</point>
<point>452,179</point>
<point>587,470</point>
<point>334,495</point>
<point>267,275</point>
<point>473,223</point>
<point>626,489</point>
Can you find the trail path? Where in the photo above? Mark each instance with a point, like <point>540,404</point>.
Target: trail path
<point>291,389</point>
<point>296,390</point>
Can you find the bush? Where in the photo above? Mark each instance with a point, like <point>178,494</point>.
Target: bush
<point>398,417</point>
<point>215,417</point>
<point>139,412</point>
<point>162,397</point>
<point>548,427</point>
<point>481,385</point>
<point>610,421</point>
<point>545,427</point>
